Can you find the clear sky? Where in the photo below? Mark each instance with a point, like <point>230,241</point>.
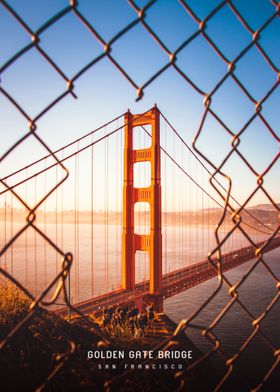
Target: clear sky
<point>104,93</point>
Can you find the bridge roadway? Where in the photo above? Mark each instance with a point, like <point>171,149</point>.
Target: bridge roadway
<point>173,282</point>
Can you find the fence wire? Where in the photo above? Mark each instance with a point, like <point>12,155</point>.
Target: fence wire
<point>107,47</point>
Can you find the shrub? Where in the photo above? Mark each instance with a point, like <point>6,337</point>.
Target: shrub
<point>14,303</point>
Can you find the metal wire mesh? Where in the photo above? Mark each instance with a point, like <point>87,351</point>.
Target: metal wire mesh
<point>107,47</point>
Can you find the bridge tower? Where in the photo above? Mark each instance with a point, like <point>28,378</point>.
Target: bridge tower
<point>152,242</point>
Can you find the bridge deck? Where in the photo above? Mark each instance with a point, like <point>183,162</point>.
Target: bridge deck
<point>173,282</point>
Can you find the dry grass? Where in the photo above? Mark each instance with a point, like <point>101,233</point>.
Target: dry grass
<point>14,303</point>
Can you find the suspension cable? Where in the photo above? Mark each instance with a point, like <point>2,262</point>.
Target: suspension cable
<point>209,172</point>
<point>200,187</point>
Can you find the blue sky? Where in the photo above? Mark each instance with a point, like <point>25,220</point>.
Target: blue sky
<point>104,93</point>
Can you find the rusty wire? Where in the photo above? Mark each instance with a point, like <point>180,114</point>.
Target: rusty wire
<point>106,51</point>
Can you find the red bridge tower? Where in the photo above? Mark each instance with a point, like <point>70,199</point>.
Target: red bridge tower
<point>131,242</point>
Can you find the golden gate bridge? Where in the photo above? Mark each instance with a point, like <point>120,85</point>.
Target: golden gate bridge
<point>137,212</point>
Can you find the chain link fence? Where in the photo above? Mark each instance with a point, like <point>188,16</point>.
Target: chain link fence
<point>59,281</point>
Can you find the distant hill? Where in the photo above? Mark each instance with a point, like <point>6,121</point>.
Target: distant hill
<point>264,207</point>
<point>256,217</point>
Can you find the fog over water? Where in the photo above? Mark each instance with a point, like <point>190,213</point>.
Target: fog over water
<point>97,254</point>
